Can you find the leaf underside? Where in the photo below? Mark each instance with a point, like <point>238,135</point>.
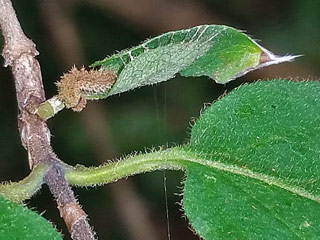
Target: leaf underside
<point>222,53</point>
<point>18,222</point>
<point>259,178</point>
<point>219,52</point>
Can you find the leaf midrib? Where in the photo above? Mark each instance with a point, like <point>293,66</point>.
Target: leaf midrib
<point>245,172</point>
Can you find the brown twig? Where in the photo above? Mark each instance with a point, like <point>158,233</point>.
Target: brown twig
<point>19,53</point>
<point>74,217</point>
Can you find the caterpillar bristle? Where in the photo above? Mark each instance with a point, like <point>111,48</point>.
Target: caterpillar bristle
<point>77,84</point>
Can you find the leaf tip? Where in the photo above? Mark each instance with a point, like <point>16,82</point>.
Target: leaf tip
<point>267,58</point>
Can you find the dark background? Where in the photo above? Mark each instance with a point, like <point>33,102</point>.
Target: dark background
<point>80,32</point>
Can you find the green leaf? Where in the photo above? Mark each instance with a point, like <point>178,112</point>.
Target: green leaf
<point>260,148</point>
<point>222,53</point>
<point>219,52</point>
<point>18,222</point>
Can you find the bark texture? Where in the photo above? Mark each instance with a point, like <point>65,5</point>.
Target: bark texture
<point>19,53</point>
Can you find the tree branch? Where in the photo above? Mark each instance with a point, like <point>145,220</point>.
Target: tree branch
<point>19,52</point>
<point>74,217</point>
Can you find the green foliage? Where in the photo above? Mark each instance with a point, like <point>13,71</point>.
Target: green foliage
<point>251,163</point>
<point>265,138</point>
<point>219,52</point>
<point>18,222</point>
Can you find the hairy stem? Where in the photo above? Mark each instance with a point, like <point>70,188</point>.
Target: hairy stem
<point>20,191</point>
<point>111,172</point>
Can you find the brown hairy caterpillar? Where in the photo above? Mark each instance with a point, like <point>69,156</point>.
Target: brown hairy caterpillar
<point>77,85</point>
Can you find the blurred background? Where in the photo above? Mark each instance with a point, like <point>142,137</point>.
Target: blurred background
<point>78,33</point>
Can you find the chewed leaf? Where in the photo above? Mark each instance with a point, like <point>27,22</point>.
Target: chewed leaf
<point>219,52</point>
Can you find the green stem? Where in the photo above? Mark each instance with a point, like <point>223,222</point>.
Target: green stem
<point>171,159</point>
<point>20,191</point>
<point>49,108</point>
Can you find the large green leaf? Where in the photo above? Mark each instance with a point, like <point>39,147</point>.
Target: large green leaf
<point>257,175</point>
<point>18,222</point>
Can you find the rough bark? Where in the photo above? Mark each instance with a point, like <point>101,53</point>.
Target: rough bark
<point>19,53</point>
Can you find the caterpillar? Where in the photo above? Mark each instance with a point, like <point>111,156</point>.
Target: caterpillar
<point>78,84</point>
